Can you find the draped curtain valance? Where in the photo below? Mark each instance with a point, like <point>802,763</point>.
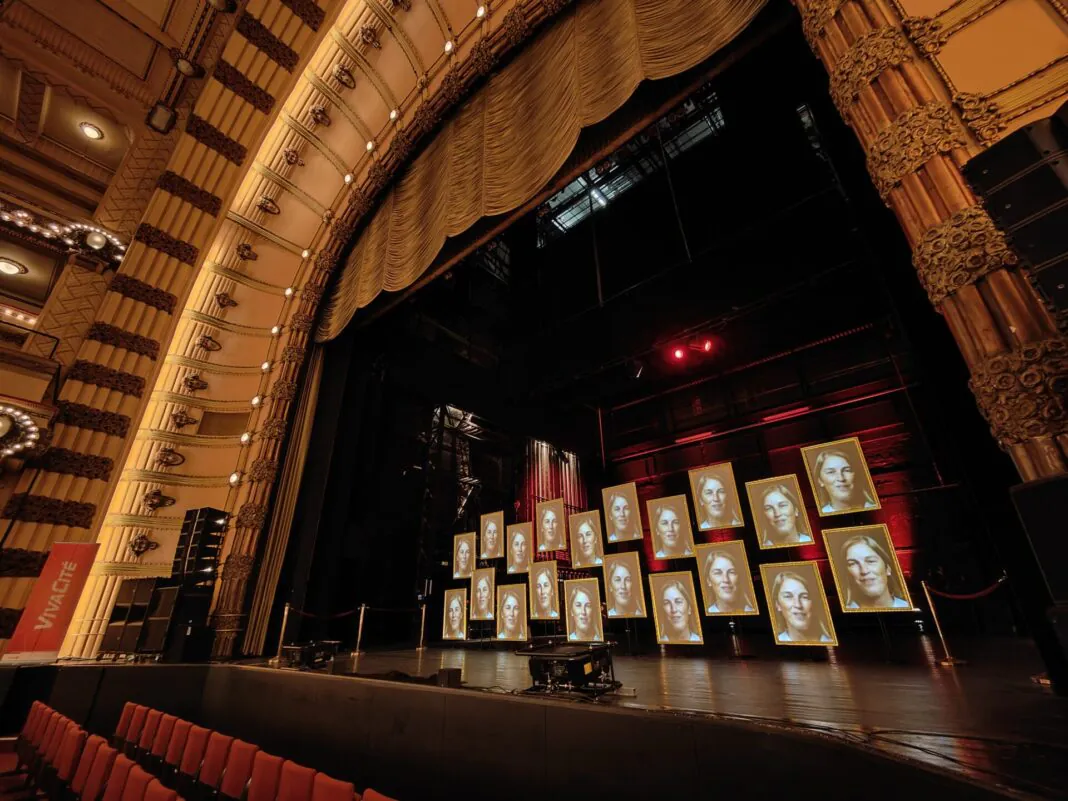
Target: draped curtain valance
<point>509,139</point>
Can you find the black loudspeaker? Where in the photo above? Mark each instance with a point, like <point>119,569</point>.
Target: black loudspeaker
<point>1039,504</point>
<point>190,643</point>
<point>1023,183</point>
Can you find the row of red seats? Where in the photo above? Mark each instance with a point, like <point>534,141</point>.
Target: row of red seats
<point>181,760</point>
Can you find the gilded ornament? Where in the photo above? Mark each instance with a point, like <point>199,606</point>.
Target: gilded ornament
<point>155,499</point>
<point>263,470</point>
<point>982,115</point>
<point>369,36</point>
<point>224,301</point>
<point>181,419</point>
<point>245,252</point>
<point>320,115</point>
<point>275,428</point>
<point>870,56</point>
<point>1024,394</point>
<point>209,343</point>
<point>959,252</point>
<point>343,75</point>
<point>251,515</point>
<point>284,390</point>
<point>301,322</point>
<point>514,28</point>
<point>815,15</point>
<point>237,566</point>
<point>926,33</point>
<point>140,544</point>
<point>910,141</point>
<point>292,353</point>
<point>195,383</point>
<point>169,457</point>
<point>292,157</point>
<point>267,205</point>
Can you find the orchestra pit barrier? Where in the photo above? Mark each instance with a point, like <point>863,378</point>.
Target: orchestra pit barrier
<point>367,615</point>
<point>949,660</point>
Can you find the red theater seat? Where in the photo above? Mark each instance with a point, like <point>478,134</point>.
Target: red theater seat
<point>123,726</point>
<point>192,758</point>
<point>133,734</point>
<point>211,769</point>
<point>295,783</point>
<point>157,792</point>
<point>136,784</point>
<point>148,731</point>
<point>266,771</point>
<point>99,772</point>
<point>238,769</point>
<point>69,752</point>
<point>374,795</point>
<point>116,779</point>
<point>163,736</point>
<point>326,788</point>
<point>85,764</point>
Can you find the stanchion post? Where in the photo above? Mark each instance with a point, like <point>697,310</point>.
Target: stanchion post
<point>282,633</point>
<point>359,629</point>
<point>422,627</point>
<point>950,660</point>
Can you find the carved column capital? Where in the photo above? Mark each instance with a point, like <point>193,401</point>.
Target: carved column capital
<point>959,252</point>
<point>1024,394</point>
<point>910,141</point>
<point>868,58</point>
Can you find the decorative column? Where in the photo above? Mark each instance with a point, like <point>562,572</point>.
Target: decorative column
<point>916,94</point>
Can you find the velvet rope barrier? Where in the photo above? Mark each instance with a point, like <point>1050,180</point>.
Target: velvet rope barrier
<point>950,660</point>
<point>970,596</point>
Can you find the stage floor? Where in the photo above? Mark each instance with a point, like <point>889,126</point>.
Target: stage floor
<point>987,719</point>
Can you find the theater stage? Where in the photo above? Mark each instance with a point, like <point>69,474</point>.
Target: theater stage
<point>986,720</point>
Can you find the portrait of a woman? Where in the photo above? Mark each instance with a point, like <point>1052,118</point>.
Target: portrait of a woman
<point>669,519</point>
<point>623,585</point>
<point>463,561</point>
<point>715,497</point>
<point>583,610</point>
<point>674,609</point>
<point>726,583</point>
<point>511,613</point>
<point>519,548</point>
<point>482,593</point>
<point>587,550</point>
<point>840,479</point>
<point>453,625</point>
<point>798,604</point>
<point>779,513</point>
<point>866,571</point>
<point>621,513</point>
<point>492,527</point>
<point>544,601</point>
<point>551,534</point>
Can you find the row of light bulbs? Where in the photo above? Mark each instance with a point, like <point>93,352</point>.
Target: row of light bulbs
<point>30,432</point>
<point>21,317</point>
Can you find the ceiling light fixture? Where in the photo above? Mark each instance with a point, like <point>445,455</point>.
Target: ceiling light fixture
<point>481,12</point>
<point>96,240</point>
<point>394,114</point>
<point>91,131</point>
<point>448,46</point>
<point>8,267</point>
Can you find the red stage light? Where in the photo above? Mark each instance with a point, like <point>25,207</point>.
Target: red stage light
<point>679,354</point>
<point>707,346</point>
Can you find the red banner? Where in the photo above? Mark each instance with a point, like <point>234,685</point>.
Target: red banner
<point>50,608</point>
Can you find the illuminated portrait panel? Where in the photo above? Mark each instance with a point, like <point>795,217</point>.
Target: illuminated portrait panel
<point>778,510</point>
<point>454,620</point>
<point>512,612</point>
<point>798,604</point>
<point>675,609</point>
<point>544,591</point>
<point>726,583</point>
<point>623,585</point>
<point>582,599</point>
<point>669,522</point>
<point>492,535</point>
<point>519,543</point>
<point>587,547</point>
<point>483,585</point>
<point>622,520</point>
<point>865,569</point>
<point>840,479</point>
<point>463,555</point>
<point>551,526</point>
<point>715,497</point>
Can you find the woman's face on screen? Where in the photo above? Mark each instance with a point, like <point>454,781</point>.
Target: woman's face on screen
<point>587,541</point>
<point>463,556</point>
<point>723,578</point>
<point>868,570</point>
<point>510,612</point>
<point>544,591</point>
<point>676,609</point>
<point>669,527</point>
<point>456,614</point>
<point>620,513</point>
<point>582,611</point>
<point>490,537</point>
<point>622,586</point>
<point>548,526</point>
<point>780,513</point>
<point>795,604</point>
<point>519,549</point>
<point>714,498</point>
<point>838,478</point>
<point>482,595</point>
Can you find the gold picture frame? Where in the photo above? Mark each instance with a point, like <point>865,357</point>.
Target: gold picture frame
<point>550,587</point>
<point>519,562</point>
<point>558,530</point>
<point>624,589</point>
<point>464,570</point>
<point>804,578</point>
<point>496,519</point>
<point>724,495</point>
<point>587,544</point>
<point>848,485</point>
<point>667,515</point>
<point>582,599</point>
<point>774,498</point>
<point>486,576</point>
<point>726,581</point>
<point>855,554</point>
<point>623,521</point>
<point>458,631</point>
<point>675,610</point>
<point>507,613</point>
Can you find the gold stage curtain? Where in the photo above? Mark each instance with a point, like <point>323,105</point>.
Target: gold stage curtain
<point>508,140</point>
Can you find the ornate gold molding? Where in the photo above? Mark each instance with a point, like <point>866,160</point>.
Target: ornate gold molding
<point>869,57</point>
<point>1024,394</point>
<point>224,325</point>
<point>930,34</point>
<point>988,115</point>
<point>915,137</point>
<point>815,16</point>
<point>959,252</point>
<point>143,521</point>
<point>259,230</point>
<point>174,479</point>
<point>302,197</point>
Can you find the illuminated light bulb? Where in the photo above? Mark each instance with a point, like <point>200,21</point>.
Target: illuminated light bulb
<point>394,114</point>
<point>481,12</point>
<point>448,46</point>
<point>266,366</point>
<point>276,330</point>
<point>370,146</point>
<point>289,292</point>
<point>235,478</point>
<point>305,253</point>
<point>256,401</point>
<point>348,177</point>
<point>246,438</point>
<point>90,131</point>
